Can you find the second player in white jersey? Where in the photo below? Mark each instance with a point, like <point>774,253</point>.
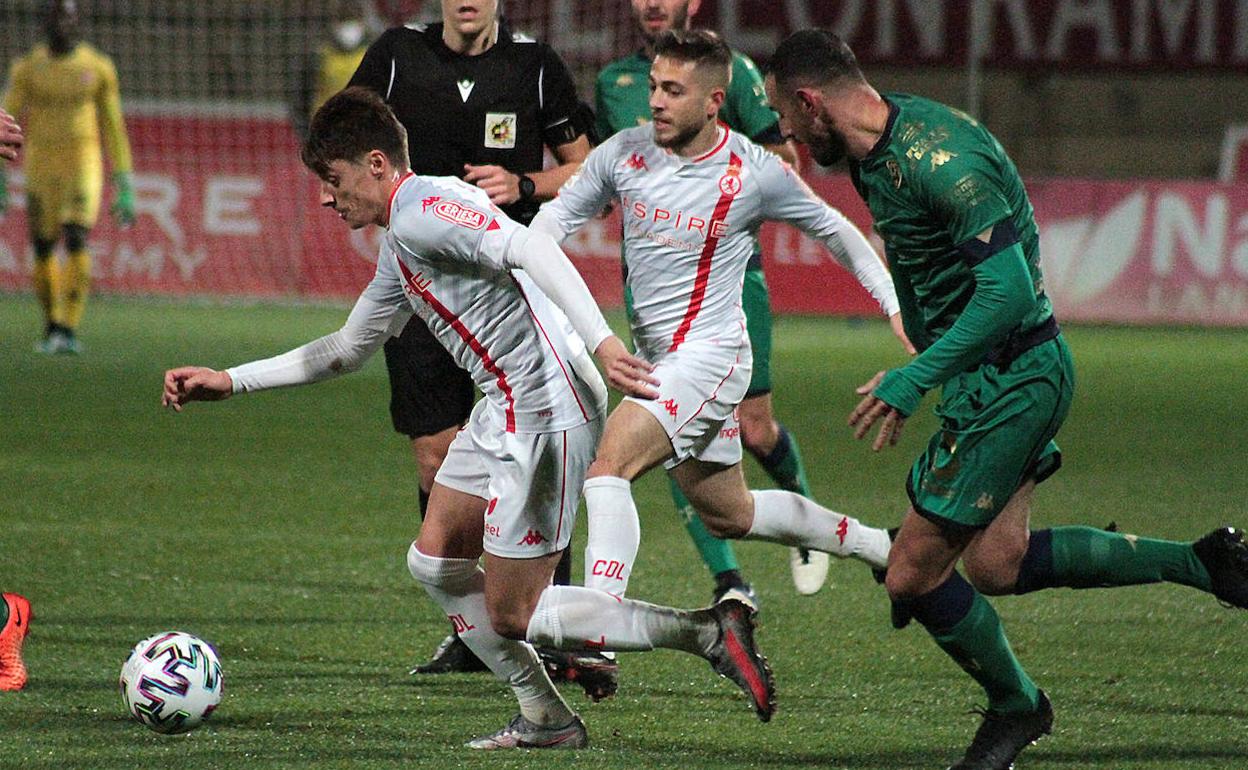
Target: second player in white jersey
<point>689,226</point>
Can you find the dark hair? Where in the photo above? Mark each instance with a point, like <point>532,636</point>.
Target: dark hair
<point>350,124</point>
<point>814,57</point>
<point>702,47</point>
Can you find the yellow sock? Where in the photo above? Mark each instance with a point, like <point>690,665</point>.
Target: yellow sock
<point>77,284</point>
<point>48,283</point>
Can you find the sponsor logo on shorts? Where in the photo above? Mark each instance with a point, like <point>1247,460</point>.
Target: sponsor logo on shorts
<point>458,214</point>
<point>729,433</point>
<point>532,537</point>
<point>596,644</point>
<point>493,530</point>
<point>460,623</point>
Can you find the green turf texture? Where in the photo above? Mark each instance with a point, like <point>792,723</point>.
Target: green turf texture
<point>276,525</point>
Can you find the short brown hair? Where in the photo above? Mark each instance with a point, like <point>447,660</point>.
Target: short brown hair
<point>350,124</point>
<point>814,57</point>
<point>701,47</point>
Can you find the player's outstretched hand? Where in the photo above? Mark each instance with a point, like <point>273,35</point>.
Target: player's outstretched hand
<point>195,383</point>
<point>502,185</point>
<point>899,330</point>
<point>627,373</point>
<point>869,410</point>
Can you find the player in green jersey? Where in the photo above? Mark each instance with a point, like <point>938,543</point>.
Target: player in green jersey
<point>622,100</point>
<point>963,247</point>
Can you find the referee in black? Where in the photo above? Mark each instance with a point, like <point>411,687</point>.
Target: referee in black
<point>481,103</point>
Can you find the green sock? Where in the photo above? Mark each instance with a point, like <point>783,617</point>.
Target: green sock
<point>717,554</point>
<point>978,644</point>
<point>1084,557</point>
<point>784,465</point>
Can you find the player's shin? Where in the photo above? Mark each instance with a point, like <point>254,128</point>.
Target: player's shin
<point>575,618</point>
<point>790,519</point>
<point>614,534</point>
<point>458,587</point>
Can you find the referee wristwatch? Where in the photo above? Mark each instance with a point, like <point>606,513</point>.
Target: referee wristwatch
<point>528,188</point>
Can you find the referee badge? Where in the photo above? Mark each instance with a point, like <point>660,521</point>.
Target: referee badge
<point>500,130</point>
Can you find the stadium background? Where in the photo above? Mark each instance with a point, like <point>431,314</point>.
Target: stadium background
<point>1121,115</point>
<point>275,525</point>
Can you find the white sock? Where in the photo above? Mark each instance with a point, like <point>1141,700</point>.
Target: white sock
<point>789,518</point>
<point>575,618</point>
<point>458,587</point>
<point>614,534</point>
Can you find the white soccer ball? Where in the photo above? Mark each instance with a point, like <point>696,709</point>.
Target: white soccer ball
<point>171,682</point>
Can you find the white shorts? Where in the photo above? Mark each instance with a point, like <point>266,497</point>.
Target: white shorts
<point>531,480</point>
<point>700,386</point>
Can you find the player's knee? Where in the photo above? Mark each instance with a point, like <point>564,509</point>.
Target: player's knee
<point>605,465</point>
<point>75,237</point>
<point>43,248</point>
<point>429,457</point>
<point>759,434</point>
<point>992,577</point>
<point>906,580</point>
<point>509,620</point>
<point>725,525</point>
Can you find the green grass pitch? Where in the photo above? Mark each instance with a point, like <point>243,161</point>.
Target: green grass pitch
<point>276,525</point>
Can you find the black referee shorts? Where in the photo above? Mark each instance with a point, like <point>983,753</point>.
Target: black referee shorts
<point>429,392</point>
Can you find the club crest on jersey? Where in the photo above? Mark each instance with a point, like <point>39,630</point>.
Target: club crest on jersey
<point>458,214</point>
<point>730,183</point>
<point>500,130</point>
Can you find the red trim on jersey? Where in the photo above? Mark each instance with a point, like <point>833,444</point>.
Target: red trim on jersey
<point>704,262</point>
<point>394,192</point>
<point>549,344</point>
<point>563,488</point>
<point>723,126</point>
<point>467,336</point>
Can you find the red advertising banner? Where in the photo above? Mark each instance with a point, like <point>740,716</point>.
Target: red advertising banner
<point>225,209</point>
<point>1164,34</point>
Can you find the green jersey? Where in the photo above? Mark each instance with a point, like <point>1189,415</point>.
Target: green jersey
<point>935,181</point>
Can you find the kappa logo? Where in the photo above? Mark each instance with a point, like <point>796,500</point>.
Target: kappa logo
<point>671,406</point>
<point>985,502</point>
<point>532,537</point>
<point>842,530</point>
<point>596,644</point>
<point>636,162</point>
<point>458,214</point>
<point>425,203</point>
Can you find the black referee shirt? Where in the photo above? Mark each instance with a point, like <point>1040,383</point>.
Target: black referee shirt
<point>500,107</point>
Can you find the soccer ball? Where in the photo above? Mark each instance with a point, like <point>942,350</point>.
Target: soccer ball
<point>171,682</point>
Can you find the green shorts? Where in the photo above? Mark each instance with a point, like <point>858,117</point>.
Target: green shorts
<point>997,429</point>
<point>757,305</point>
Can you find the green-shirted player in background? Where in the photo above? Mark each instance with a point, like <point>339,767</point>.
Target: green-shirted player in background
<point>962,244</point>
<point>622,100</point>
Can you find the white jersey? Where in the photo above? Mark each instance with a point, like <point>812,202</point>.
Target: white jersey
<point>689,229</point>
<point>444,252</point>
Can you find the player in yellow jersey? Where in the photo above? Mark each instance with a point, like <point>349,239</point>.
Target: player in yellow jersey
<point>65,94</point>
<point>330,66</point>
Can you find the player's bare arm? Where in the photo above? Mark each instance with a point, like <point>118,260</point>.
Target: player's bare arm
<point>871,409</point>
<point>195,383</point>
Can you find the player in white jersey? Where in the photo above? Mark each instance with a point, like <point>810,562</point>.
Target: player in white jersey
<point>513,311</point>
<point>692,193</point>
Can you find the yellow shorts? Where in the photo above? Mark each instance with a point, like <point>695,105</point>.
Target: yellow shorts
<point>55,198</point>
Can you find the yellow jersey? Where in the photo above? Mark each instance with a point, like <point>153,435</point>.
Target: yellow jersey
<point>334,71</point>
<point>63,103</point>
